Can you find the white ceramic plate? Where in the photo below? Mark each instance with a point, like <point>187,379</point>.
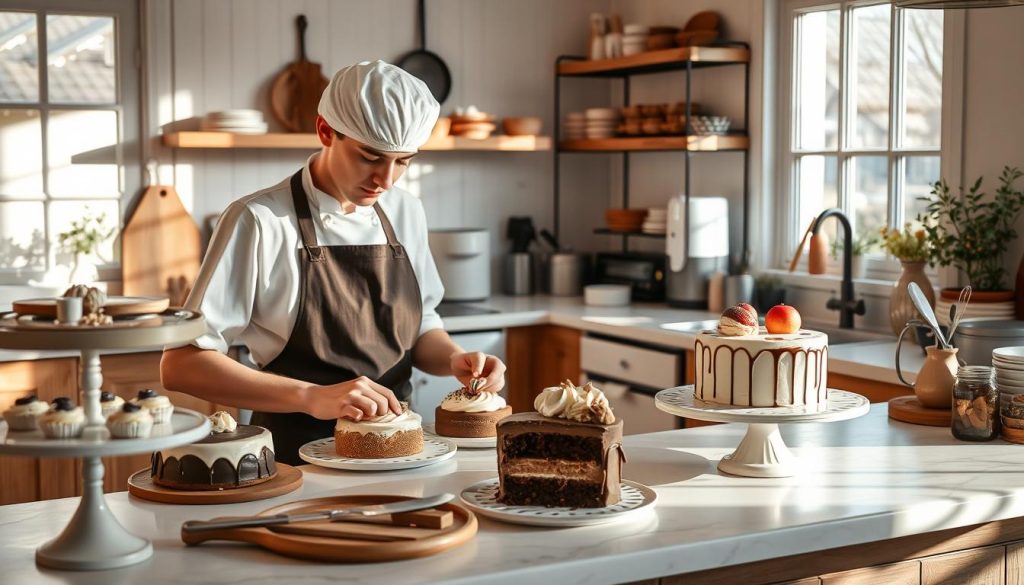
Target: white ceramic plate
<point>465,442</point>
<point>636,499</point>
<point>321,452</point>
<point>1010,354</point>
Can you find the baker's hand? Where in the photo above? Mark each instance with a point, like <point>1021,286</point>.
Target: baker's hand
<point>475,364</point>
<point>356,399</point>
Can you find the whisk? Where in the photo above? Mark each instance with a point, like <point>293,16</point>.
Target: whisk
<point>958,309</point>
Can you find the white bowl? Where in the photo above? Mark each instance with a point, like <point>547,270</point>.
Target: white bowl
<point>636,29</point>
<point>606,295</point>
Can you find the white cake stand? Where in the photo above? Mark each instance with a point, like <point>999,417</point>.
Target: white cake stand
<point>761,453</point>
<point>94,539</point>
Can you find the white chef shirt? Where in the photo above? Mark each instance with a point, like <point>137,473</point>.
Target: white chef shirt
<point>248,286</point>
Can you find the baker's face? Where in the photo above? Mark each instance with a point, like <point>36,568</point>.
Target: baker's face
<point>359,172</point>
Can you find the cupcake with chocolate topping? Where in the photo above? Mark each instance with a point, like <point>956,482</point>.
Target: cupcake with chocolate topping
<point>22,416</point>
<point>159,406</point>
<point>465,413</point>
<point>110,403</point>
<point>131,422</point>
<point>63,420</point>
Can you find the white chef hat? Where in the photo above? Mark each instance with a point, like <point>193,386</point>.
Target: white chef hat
<point>381,106</point>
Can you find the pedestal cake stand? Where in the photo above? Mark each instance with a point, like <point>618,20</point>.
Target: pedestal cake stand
<point>94,539</point>
<point>761,453</point>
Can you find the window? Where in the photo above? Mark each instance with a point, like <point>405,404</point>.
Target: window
<point>863,110</point>
<point>68,108</point>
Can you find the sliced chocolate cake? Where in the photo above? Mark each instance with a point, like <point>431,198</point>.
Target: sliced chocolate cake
<point>567,454</point>
<point>231,456</point>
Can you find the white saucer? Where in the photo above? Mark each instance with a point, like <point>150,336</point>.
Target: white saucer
<point>321,452</point>
<point>636,499</point>
<point>465,442</point>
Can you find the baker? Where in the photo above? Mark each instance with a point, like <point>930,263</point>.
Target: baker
<point>327,277</point>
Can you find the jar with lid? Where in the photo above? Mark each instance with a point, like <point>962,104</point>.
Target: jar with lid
<point>975,404</point>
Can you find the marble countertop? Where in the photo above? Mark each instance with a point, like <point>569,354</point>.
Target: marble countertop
<point>865,480</point>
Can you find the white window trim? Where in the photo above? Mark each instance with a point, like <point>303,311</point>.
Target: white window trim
<point>785,233</point>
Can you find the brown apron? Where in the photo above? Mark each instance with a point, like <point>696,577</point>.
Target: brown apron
<point>359,315</point>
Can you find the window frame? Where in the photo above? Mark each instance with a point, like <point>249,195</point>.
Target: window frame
<point>127,108</point>
<point>787,225</point>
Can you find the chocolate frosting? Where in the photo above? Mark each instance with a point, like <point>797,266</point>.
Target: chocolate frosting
<point>26,400</point>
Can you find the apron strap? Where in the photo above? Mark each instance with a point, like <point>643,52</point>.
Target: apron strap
<point>397,251</point>
<point>305,218</point>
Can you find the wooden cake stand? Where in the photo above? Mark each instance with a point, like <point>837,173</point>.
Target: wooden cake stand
<point>761,453</point>
<point>93,538</point>
<point>287,480</point>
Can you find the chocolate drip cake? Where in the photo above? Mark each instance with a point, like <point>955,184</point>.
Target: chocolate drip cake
<point>231,456</point>
<point>567,454</point>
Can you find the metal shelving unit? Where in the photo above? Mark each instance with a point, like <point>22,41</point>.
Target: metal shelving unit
<point>685,59</point>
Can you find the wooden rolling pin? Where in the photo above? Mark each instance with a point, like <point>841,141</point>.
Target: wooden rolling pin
<point>800,248</point>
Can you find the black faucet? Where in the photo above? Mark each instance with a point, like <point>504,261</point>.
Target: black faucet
<point>846,306</point>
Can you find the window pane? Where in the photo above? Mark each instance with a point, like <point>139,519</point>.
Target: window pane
<point>920,173</point>
<point>817,80</point>
<point>19,57</point>
<point>62,213</point>
<point>80,59</point>
<point>868,81</point>
<point>921,105</point>
<point>21,153</point>
<point>870,198</point>
<point>817,190</point>
<point>84,135</point>
<point>22,239</point>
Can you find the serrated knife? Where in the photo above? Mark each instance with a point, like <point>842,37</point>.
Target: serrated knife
<point>193,526</point>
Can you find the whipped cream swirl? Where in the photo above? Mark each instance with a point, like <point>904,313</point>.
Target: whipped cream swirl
<point>222,422</point>
<point>463,401</point>
<point>586,404</point>
<point>732,328</point>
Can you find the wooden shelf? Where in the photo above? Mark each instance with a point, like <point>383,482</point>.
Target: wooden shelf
<point>610,232</point>
<point>656,61</point>
<point>196,139</point>
<point>711,143</point>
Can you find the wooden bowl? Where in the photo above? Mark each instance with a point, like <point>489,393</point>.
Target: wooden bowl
<point>442,127</point>
<point>696,38</point>
<point>474,117</point>
<point>524,126</point>
<point>661,41</point>
<point>474,130</point>
<point>706,20</point>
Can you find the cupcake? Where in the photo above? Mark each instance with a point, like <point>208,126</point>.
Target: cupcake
<point>22,416</point>
<point>110,403</point>
<point>159,406</point>
<point>131,422</point>
<point>64,420</point>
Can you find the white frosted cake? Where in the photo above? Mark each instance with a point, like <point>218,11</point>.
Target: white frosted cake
<point>742,364</point>
<point>387,435</point>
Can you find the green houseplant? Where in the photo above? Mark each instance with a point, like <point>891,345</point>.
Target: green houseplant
<point>862,246</point>
<point>83,239</point>
<point>971,232</point>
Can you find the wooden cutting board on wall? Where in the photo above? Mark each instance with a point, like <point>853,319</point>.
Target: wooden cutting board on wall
<point>160,247</point>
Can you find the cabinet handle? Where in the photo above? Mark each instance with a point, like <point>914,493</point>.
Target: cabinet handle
<point>624,364</point>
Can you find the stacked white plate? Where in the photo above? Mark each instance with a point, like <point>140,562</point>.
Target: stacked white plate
<point>634,39</point>
<point>655,222</point>
<point>1009,365</point>
<point>237,121</point>
<point>990,311</point>
<point>601,122</point>
<point>575,126</point>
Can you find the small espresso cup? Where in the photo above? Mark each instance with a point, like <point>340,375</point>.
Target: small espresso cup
<point>69,310</point>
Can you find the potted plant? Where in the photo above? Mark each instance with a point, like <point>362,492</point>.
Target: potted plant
<point>971,231</point>
<point>862,246</point>
<point>83,239</point>
<point>768,292</point>
<point>912,248</point>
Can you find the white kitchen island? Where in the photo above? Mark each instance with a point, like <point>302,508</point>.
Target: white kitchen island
<point>869,479</point>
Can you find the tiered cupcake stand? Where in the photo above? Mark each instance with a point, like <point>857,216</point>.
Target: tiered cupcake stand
<point>762,452</point>
<point>94,539</point>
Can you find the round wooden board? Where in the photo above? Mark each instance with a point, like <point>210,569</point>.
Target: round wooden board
<point>288,479</point>
<point>115,306</point>
<point>909,409</point>
<point>343,550</point>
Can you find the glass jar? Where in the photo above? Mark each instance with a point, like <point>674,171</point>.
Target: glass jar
<point>975,404</point>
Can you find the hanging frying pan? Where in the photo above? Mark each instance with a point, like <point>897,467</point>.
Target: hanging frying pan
<point>426,65</point>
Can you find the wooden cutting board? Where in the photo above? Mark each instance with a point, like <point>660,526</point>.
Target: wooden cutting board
<point>909,409</point>
<point>160,247</point>
<point>295,92</point>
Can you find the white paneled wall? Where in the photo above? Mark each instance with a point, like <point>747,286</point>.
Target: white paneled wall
<point>207,55</point>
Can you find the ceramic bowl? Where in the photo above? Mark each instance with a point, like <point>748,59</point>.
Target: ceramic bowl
<point>525,126</point>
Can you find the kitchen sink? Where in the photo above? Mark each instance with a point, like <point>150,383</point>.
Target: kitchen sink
<point>836,336</point>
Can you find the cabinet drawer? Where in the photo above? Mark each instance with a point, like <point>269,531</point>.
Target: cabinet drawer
<point>635,365</point>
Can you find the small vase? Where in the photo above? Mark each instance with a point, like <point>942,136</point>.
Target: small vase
<point>934,384</point>
<point>84,269</point>
<point>901,309</point>
<point>858,266</point>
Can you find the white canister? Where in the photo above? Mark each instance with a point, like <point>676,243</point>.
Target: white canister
<point>463,259</point>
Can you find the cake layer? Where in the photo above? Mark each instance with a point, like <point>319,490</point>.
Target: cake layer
<point>761,370</point>
<point>359,445</point>
<point>192,473</point>
<point>468,424</point>
<point>582,470</point>
<point>232,446</point>
<point>384,425</point>
<point>555,492</point>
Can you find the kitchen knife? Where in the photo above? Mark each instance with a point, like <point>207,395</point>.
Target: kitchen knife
<point>332,515</point>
